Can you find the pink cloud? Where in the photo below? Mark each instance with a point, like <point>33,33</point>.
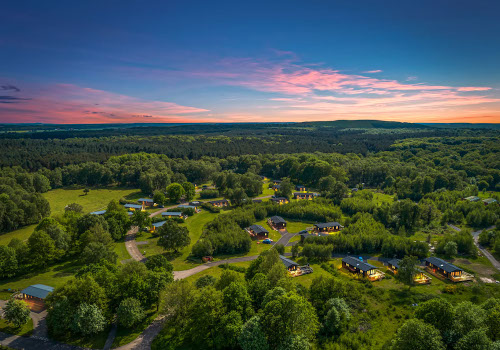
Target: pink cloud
<point>372,71</point>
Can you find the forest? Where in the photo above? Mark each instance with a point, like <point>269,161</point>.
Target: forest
<point>398,190</point>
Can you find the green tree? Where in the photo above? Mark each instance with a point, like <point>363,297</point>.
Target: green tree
<point>295,342</point>
<point>295,250</point>
<point>237,196</point>
<point>252,337</point>
<point>226,278</point>
<point>159,197</point>
<point>337,317</point>
<point>468,316</point>
<point>280,248</point>
<point>228,331</point>
<point>493,320</point>
<point>60,316</point>
<point>257,288</point>
<point>417,335</point>
<point>88,319</point>
<point>86,191</point>
<point>451,249</point>
<point>8,261</point>
<point>74,207</point>
<point>42,247</point>
<point>202,248</point>
<point>408,268</point>
<point>286,188</point>
<point>16,312</point>
<point>204,316</point>
<point>140,219</point>
<point>159,263</point>
<point>130,312</point>
<point>475,340</point>
<point>205,281</point>
<point>437,312</point>
<point>173,236</point>
<point>236,298</point>
<point>174,192</point>
<point>189,190</point>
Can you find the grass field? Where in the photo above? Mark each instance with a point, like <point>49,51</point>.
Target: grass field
<point>25,330</point>
<point>297,226</point>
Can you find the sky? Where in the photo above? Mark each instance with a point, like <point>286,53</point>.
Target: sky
<point>249,61</point>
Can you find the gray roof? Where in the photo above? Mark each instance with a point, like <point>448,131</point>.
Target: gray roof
<point>328,224</point>
<point>219,201</point>
<point>278,199</point>
<point>258,229</point>
<point>159,224</point>
<point>489,200</point>
<point>171,213</point>
<point>135,206</point>
<point>277,220</point>
<point>303,194</point>
<point>394,262</point>
<point>145,200</point>
<point>184,206</point>
<point>99,212</point>
<point>446,266</point>
<point>38,290</point>
<point>358,263</point>
<point>287,262</point>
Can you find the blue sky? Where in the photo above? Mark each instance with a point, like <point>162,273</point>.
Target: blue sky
<point>119,61</point>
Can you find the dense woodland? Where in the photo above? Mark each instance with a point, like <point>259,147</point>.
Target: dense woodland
<point>427,173</point>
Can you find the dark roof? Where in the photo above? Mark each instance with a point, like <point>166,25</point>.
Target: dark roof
<point>300,186</point>
<point>287,262</point>
<point>159,224</point>
<point>278,199</point>
<point>277,220</point>
<point>135,206</point>
<point>276,186</point>
<point>258,229</point>
<point>171,213</point>
<point>99,212</point>
<point>328,224</point>
<point>145,200</point>
<point>303,194</point>
<point>195,203</point>
<point>358,263</point>
<point>38,291</point>
<point>257,200</point>
<point>446,266</point>
<point>185,206</point>
<point>394,262</point>
<point>219,201</point>
<point>277,181</point>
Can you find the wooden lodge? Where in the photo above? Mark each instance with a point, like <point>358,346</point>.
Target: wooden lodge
<point>489,201</point>
<point>149,202</point>
<point>279,200</point>
<point>35,296</point>
<point>300,188</point>
<point>303,195</point>
<point>156,226</point>
<point>441,268</point>
<point>173,214</point>
<point>196,203</point>
<point>472,199</point>
<point>328,227</point>
<point>276,187</point>
<point>219,203</point>
<point>294,269</point>
<point>420,277</point>
<point>134,207</point>
<point>258,231</point>
<point>257,200</point>
<point>277,222</point>
<point>360,267</point>
<point>276,182</point>
<point>188,206</point>
<point>99,212</point>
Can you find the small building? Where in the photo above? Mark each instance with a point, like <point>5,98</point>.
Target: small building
<point>276,187</point>
<point>439,267</point>
<point>99,212</point>
<point>257,200</point>
<point>147,201</point>
<point>303,195</point>
<point>300,188</point>
<point>472,199</point>
<point>130,213</point>
<point>420,277</point>
<point>328,227</point>
<point>186,206</point>
<point>279,200</point>
<point>220,203</point>
<point>276,182</point>
<point>358,266</point>
<point>289,264</point>
<point>277,222</point>
<point>258,231</point>
<point>156,226</point>
<point>134,207</point>
<point>35,295</point>
<point>355,189</point>
<point>173,214</point>
<point>489,201</point>
<point>195,203</point>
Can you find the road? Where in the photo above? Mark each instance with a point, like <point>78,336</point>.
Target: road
<point>483,250</point>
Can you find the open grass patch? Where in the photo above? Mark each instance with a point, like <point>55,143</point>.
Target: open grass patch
<point>95,341</point>
<point>25,330</point>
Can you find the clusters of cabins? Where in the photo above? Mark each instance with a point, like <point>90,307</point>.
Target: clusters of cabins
<point>486,201</point>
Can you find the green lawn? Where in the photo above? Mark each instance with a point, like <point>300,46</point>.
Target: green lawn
<point>297,226</point>
<point>54,276</point>
<point>122,252</point>
<point>25,330</point>
<point>22,233</point>
<point>95,341</point>
<point>380,198</point>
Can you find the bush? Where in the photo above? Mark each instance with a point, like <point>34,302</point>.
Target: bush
<point>130,312</point>
<point>206,194</point>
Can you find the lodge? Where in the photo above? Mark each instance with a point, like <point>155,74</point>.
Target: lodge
<point>276,182</point>
<point>439,267</point>
<point>279,200</point>
<point>134,207</point>
<point>302,195</point>
<point>472,199</point>
<point>300,188</point>
<point>289,264</point>
<point>360,267</point>
<point>420,276</point>
<point>276,187</point>
<point>220,203</point>
<point>489,201</point>
<point>35,295</point>
<point>185,206</point>
<point>277,222</point>
<point>355,189</point>
<point>257,200</point>
<point>156,226</point>
<point>147,201</point>
<point>195,203</point>
<point>327,227</point>
<point>99,212</point>
<point>173,214</point>
<point>258,231</point>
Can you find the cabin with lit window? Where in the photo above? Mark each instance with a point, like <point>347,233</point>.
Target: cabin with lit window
<point>257,231</point>
<point>419,278</point>
<point>134,207</point>
<point>441,268</point>
<point>276,182</point>
<point>173,214</point>
<point>290,265</point>
<point>35,296</point>
<point>99,212</point>
<point>279,200</point>
<point>276,187</point>
<point>220,203</point>
<point>149,202</point>
<point>303,195</point>
<point>277,222</point>
<point>156,226</point>
<point>327,227</point>
<point>362,268</point>
<point>300,188</point>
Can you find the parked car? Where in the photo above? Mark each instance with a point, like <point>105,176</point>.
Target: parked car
<point>267,241</point>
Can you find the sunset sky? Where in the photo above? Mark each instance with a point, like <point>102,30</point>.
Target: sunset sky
<point>249,61</point>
